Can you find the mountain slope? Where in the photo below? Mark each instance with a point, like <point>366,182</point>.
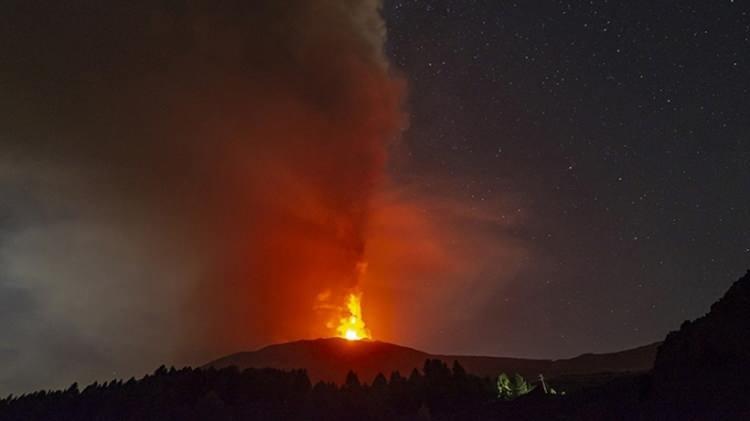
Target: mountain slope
<point>330,359</point>
<point>710,356</point>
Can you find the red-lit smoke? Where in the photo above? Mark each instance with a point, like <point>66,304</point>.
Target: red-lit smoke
<point>241,140</point>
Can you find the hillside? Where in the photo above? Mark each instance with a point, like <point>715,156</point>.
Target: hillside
<point>708,357</point>
<point>331,358</point>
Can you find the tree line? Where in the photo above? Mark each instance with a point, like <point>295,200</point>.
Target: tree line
<point>437,391</point>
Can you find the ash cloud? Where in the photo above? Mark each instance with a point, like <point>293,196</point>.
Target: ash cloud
<point>183,178</point>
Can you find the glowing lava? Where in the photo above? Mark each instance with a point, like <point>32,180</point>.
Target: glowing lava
<point>352,327</point>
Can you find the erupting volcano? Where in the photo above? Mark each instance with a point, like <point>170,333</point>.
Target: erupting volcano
<point>352,327</point>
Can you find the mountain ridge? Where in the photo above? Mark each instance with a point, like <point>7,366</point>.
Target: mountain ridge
<point>709,355</point>
<point>330,359</point>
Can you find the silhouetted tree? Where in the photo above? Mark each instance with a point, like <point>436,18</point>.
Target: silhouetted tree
<point>379,383</point>
<point>352,381</point>
<point>458,370</point>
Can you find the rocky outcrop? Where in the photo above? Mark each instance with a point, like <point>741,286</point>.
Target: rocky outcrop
<point>708,360</point>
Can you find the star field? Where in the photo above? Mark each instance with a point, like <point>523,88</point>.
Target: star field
<point>614,133</point>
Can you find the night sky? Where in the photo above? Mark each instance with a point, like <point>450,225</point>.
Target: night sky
<point>617,131</point>
<point>188,179</point>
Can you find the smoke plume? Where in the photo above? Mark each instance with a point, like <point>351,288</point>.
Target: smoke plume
<point>183,178</point>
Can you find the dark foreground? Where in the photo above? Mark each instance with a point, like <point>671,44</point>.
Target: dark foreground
<point>700,373</point>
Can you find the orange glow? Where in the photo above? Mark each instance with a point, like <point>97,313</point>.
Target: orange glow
<point>352,327</point>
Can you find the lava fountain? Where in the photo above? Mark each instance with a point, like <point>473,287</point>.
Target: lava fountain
<point>352,327</point>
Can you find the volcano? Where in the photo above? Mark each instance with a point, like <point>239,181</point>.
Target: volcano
<point>330,359</point>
